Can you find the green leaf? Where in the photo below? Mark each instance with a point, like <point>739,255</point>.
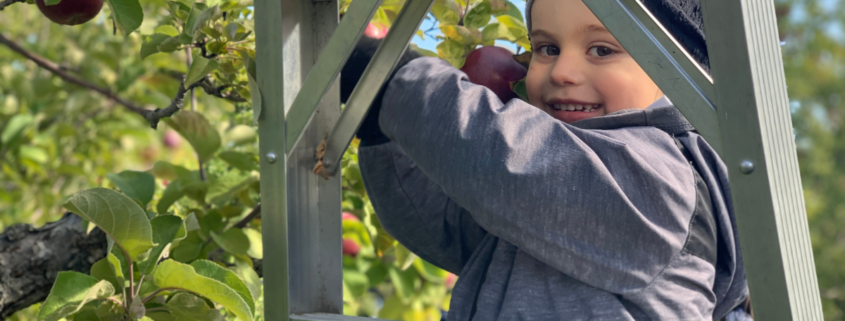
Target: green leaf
<point>197,131</point>
<point>128,14</point>
<point>452,51</point>
<point>196,190</point>
<point>70,292</point>
<point>118,216</point>
<point>247,273</point>
<point>188,249</point>
<point>403,282</point>
<point>185,306</point>
<point>231,30</point>
<point>229,211</point>
<point>356,282</point>
<point>172,274</point>
<point>34,153</point>
<point>166,229</point>
<point>242,161</point>
<point>446,11</point>
<point>424,52</point>
<point>178,9</point>
<point>167,30</point>
<point>509,9</point>
<point>510,28</point>
<point>199,69</point>
<point>169,45</point>
<point>233,240</point>
<point>212,270</point>
<point>137,185</point>
<point>211,222</point>
<point>239,135</point>
<point>404,257</point>
<point>168,171</point>
<point>52,2</point>
<point>458,33</point>
<point>256,99</point>
<point>520,90</point>
<point>196,11</point>
<point>478,16</point>
<point>256,243</point>
<point>15,126</point>
<point>490,34</point>
<point>206,15</point>
<point>172,193</point>
<point>109,269</point>
<point>110,311</point>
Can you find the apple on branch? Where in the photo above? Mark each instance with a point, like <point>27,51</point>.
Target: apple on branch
<point>70,12</point>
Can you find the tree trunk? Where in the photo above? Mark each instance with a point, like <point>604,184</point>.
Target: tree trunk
<point>31,258</point>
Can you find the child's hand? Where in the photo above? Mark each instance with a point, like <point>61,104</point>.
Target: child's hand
<point>351,74</point>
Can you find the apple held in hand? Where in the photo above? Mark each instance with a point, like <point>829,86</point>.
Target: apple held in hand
<point>494,68</point>
<point>71,12</point>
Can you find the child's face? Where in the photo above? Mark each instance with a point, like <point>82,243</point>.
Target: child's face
<point>578,70</point>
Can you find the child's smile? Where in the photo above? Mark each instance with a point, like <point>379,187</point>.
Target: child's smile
<point>578,70</point>
<point>569,110</point>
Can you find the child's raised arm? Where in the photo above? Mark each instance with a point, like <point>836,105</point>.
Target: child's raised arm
<point>610,208</point>
<point>415,211</point>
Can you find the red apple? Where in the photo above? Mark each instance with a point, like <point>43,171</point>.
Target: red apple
<point>450,280</point>
<point>494,68</point>
<point>376,31</point>
<point>350,247</point>
<point>373,30</point>
<point>172,139</point>
<point>349,216</point>
<point>71,12</point>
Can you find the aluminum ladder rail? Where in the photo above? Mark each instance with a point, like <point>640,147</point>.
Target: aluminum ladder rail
<point>743,113</point>
<point>301,48</point>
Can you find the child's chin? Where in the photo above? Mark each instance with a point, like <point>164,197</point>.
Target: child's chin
<point>573,116</point>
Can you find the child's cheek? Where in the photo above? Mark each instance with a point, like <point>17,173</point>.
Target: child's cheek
<point>533,85</point>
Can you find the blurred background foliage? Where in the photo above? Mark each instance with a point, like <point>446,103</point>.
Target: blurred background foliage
<point>57,138</point>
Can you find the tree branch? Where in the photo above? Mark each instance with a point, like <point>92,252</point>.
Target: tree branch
<point>32,258</point>
<point>6,3</point>
<point>153,116</point>
<point>251,216</point>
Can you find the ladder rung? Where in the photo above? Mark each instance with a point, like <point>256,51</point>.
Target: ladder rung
<point>660,65</point>
<point>327,67</point>
<point>379,69</point>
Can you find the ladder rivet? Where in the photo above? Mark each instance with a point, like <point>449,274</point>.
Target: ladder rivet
<point>271,158</point>
<point>746,167</point>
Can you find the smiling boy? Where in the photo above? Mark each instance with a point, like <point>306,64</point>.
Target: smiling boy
<point>596,201</point>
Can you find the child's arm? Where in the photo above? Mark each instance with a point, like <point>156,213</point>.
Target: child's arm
<point>610,208</point>
<point>415,211</point>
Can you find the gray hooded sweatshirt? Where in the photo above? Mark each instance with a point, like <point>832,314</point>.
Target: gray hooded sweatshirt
<point>621,217</point>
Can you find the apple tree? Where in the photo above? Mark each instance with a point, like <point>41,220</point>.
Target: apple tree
<point>140,115</point>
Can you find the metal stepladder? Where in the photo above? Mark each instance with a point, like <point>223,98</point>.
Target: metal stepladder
<point>742,111</point>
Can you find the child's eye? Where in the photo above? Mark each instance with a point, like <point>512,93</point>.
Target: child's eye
<point>601,51</point>
<point>549,50</point>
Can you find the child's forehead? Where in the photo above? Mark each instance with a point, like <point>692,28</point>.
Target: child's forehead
<point>555,16</point>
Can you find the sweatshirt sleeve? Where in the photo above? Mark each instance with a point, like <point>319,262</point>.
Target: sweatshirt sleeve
<point>415,211</point>
<point>610,208</point>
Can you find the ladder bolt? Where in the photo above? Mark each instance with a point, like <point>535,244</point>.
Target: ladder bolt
<point>746,167</point>
<point>271,158</point>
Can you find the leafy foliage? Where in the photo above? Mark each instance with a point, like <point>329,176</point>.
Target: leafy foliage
<point>62,146</point>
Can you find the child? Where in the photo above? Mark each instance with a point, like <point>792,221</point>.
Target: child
<point>596,201</point>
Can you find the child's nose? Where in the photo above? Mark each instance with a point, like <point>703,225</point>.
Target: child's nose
<point>567,70</point>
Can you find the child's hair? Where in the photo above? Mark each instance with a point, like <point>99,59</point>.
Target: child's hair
<point>682,18</point>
